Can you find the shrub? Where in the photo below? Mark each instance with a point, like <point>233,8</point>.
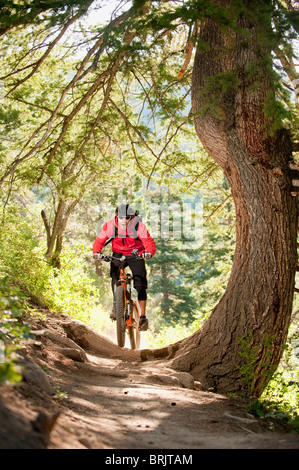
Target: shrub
<point>68,290</point>
<point>14,331</point>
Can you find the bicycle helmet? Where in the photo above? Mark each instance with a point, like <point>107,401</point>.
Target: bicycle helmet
<point>125,210</point>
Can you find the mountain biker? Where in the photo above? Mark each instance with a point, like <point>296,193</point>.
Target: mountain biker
<point>127,233</point>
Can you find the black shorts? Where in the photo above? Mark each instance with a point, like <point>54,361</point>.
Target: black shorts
<point>138,270</point>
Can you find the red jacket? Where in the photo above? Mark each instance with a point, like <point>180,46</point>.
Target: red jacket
<point>125,241</point>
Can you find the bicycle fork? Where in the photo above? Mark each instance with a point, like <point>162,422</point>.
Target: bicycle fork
<point>130,320</point>
<point>125,280</point>
<point>128,301</point>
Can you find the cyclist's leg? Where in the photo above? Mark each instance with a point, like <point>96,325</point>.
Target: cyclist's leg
<point>139,277</point>
<point>140,283</point>
<point>114,270</point>
<point>142,305</point>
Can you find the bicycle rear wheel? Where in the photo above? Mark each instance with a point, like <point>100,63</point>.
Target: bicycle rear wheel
<point>120,316</point>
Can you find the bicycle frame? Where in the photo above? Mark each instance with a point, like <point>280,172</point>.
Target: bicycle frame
<point>125,280</point>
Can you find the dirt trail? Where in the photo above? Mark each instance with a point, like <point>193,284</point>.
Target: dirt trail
<point>107,398</point>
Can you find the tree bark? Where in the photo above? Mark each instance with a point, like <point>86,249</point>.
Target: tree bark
<point>57,229</point>
<point>55,234</point>
<point>240,345</point>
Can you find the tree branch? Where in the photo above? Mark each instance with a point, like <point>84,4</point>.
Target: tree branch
<point>39,62</point>
<point>127,121</point>
<point>189,49</point>
<point>47,226</point>
<point>94,88</point>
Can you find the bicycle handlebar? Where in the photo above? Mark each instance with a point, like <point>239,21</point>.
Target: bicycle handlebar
<point>123,258</point>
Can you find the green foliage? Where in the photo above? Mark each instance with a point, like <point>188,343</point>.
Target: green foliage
<point>278,411</point>
<point>37,11</point>
<point>27,279</point>
<point>14,331</point>
<point>169,268</point>
<point>280,399</point>
<point>212,93</point>
<point>249,355</point>
<point>211,272</point>
<point>69,290</point>
<point>167,335</point>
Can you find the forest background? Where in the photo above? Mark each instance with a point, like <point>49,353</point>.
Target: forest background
<point>129,138</point>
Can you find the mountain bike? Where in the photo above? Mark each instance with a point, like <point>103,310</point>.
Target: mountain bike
<point>126,309</point>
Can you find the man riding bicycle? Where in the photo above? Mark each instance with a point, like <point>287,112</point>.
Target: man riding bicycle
<point>128,233</point>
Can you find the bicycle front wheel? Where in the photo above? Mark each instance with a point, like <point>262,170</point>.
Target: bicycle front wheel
<point>120,316</point>
<point>136,327</point>
<point>132,337</point>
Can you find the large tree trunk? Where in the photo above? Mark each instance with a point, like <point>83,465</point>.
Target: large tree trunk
<point>241,344</point>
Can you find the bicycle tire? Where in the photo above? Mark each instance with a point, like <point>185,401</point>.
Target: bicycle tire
<point>131,329</point>
<point>131,333</point>
<point>136,327</point>
<point>120,316</point>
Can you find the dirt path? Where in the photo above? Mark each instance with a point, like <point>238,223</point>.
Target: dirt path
<point>108,398</point>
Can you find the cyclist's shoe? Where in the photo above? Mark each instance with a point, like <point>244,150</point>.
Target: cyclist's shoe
<point>112,314</point>
<point>143,323</point>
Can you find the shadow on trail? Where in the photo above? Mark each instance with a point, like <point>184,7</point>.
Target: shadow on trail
<point>130,412</point>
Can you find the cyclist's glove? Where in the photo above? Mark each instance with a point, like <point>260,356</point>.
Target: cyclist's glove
<point>100,256</point>
<point>146,255</point>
